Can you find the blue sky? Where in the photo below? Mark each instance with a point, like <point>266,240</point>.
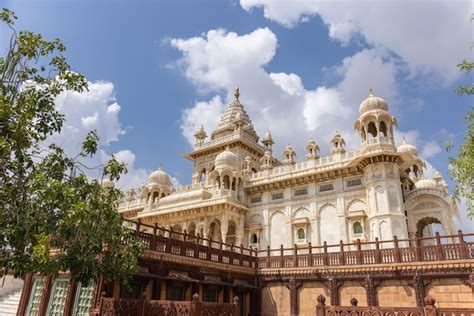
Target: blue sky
<point>158,69</point>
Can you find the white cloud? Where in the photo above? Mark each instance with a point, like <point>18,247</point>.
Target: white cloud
<point>277,101</point>
<point>134,176</point>
<point>429,37</point>
<point>430,149</point>
<point>202,113</point>
<point>94,109</point>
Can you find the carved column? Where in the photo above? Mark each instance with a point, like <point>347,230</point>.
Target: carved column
<point>293,285</point>
<point>370,286</point>
<point>419,283</point>
<point>469,281</point>
<point>334,285</point>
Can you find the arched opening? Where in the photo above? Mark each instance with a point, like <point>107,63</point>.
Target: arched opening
<point>253,239</point>
<point>226,181</point>
<point>215,232</point>
<point>372,130</point>
<point>177,229</point>
<point>233,184</point>
<point>277,230</point>
<point>202,175</point>
<point>254,170</point>
<point>383,129</point>
<point>357,229</point>
<point>300,233</point>
<point>192,232</point>
<point>218,182</point>
<point>231,230</point>
<point>329,228</point>
<point>427,227</point>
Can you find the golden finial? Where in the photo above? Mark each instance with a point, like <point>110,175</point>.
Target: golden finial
<point>237,93</point>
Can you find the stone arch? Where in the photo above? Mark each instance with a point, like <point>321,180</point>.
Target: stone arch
<point>177,230</point>
<point>385,232</point>
<point>356,205</point>
<point>425,221</point>
<point>371,130</point>
<point>301,212</point>
<point>215,230</point>
<point>231,233</point>
<point>329,224</point>
<point>380,199</point>
<point>278,229</point>
<point>383,129</point>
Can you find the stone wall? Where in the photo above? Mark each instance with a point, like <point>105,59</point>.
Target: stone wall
<point>448,292</point>
<point>391,293</point>
<point>275,299</point>
<point>307,294</point>
<point>451,292</point>
<point>352,289</point>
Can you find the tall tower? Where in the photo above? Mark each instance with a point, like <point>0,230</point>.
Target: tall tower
<point>381,169</point>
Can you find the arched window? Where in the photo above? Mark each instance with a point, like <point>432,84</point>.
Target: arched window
<point>357,228</point>
<point>383,129</point>
<point>253,239</point>
<point>301,234</point>
<point>372,129</point>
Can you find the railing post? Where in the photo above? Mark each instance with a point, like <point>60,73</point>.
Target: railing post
<point>196,247</point>
<point>359,252</point>
<point>462,246</point>
<point>321,306</point>
<point>220,250</point>
<point>168,241</point>
<point>295,256</point>
<point>396,249</point>
<point>209,249</point>
<point>439,248</point>
<point>418,256</point>
<point>138,226</point>
<point>196,306</point>
<point>153,238</point>
<point>241,261</point>
<point>310,253</point>
<point>378,258</point>
<point>281,257</point>
<point>325,254</point>
<point>430,308</point>
<point>268,256</point>
<point>341,253</point>
<point>183,244</point>
<point>235,301</point>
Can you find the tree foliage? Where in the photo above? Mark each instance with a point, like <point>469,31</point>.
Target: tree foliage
<point>52,216</point>
<point>462,166</point>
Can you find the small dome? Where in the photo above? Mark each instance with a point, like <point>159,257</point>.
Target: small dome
<point>407,148</point>
<point>160,177</point>
<point>425,184</point>
<point>372,103</point>
<point>437,176</point>
<point>227,159</point>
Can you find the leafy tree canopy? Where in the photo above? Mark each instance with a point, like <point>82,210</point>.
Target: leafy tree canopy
<point>52,216</point>
<point>462,166</point>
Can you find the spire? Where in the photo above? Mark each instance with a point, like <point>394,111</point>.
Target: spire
<point>371,92</point>
<point>237,93</point>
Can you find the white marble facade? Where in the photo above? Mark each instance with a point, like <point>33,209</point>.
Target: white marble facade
<point>242,193</point>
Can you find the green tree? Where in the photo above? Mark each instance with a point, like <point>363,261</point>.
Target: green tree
<point>462,166</point>
<point>52,216</point>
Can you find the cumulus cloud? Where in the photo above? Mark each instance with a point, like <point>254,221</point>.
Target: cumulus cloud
<point>218,61</point>
<point>428,37</point>
<point>95,109</point>
<point>430,149</point>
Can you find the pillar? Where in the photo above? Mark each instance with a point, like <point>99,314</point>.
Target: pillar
<point>293,285</point>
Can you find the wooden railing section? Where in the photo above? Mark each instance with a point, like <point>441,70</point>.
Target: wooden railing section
<point>142,307</point>
<point>437,248</point>
<point>417,249</point>
<point>194,246</point>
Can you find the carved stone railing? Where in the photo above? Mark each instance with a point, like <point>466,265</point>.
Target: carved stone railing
<point>429,309</point>
<point>193,246</point>
<point>142,307</point>
<point>437,248</point>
